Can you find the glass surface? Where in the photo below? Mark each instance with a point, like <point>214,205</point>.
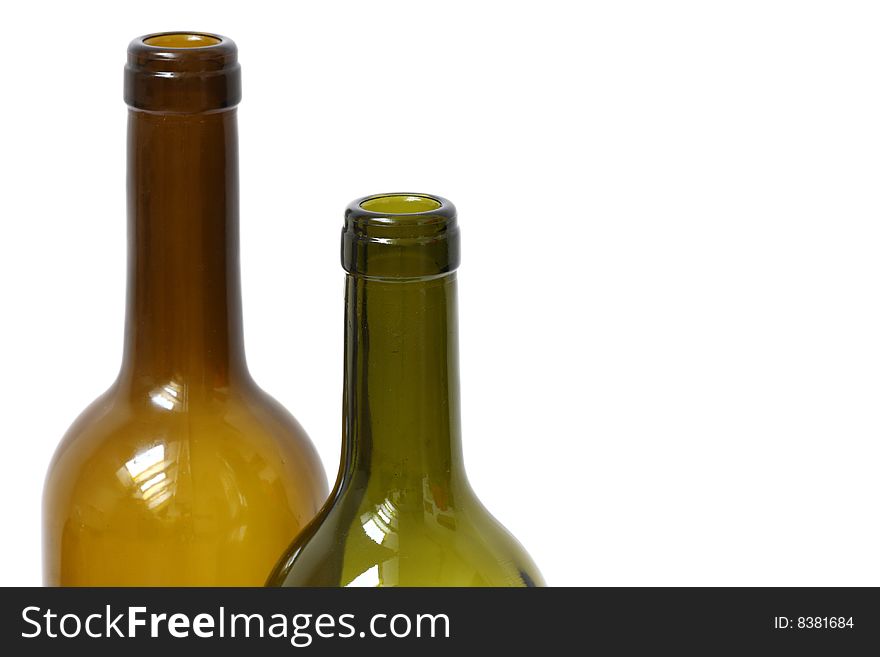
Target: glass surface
<point>184,472</point>
<point>177,486</point>
<point>402,512</point>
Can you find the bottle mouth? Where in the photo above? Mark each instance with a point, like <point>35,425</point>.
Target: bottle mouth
<point>182,72</point>
<point>395,204</point>
<point>400,235</point>
<point>182,40</point>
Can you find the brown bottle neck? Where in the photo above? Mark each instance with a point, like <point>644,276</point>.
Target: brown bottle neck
<point>183,322</point>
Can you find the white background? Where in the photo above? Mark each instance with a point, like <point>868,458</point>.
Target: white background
<point>669,291</point>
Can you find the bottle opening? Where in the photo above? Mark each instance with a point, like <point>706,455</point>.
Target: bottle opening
<point>181,40</point>
<point>402,236</point>
<point>182,73</point>
<point>400,204</point>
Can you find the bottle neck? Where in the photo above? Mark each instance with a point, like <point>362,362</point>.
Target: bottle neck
<point>402,434</point>
<point>183,316</point>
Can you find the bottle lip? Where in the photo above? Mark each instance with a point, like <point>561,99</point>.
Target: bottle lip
<point>182,72</point>
<point>371,210</point>
<point>187,40</point>
<point>400,235</point>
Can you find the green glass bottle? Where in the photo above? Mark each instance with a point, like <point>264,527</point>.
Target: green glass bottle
<point>402,512</point>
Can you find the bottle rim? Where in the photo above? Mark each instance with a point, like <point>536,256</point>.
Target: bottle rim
<point>182,72</point>
<point>400,235</point>
<point>387,210</point>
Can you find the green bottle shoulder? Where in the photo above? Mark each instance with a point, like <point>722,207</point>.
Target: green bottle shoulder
<point>387,543</point>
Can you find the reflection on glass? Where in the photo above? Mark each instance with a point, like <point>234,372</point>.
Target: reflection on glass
<point>380,523</point>
<point>436,505</point>
<point>168,396</point>
<point>369,578</point>
<point>145,460</point>
<point>373,530</point>
<point>152,475</point>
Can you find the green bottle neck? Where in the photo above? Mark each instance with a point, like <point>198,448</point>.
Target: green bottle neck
<point>402,433</point>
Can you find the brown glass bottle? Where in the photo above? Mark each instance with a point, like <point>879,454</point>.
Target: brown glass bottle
<point>184,472</point>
